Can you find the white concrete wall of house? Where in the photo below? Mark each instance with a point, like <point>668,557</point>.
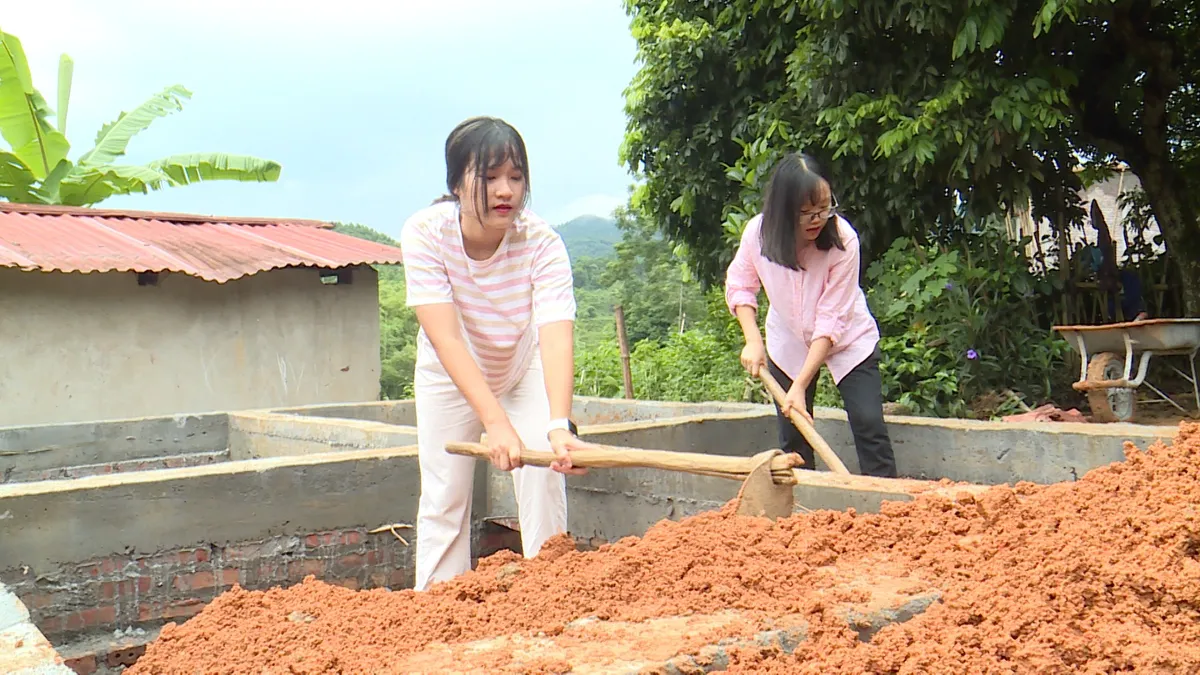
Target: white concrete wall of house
<point>84,347</point>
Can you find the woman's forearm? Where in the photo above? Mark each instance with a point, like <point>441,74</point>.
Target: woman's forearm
<point>747,317</point>
<point>440,324</point>
<point>557,342</point>
<point>816,358</point>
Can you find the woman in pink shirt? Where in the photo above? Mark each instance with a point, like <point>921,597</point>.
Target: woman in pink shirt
<point>806,257</point>
<point>492,289</point>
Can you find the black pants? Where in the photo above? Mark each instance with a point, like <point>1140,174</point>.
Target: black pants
<point>862,394</point>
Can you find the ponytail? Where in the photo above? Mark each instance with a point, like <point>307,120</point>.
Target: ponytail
<point>445,198</point>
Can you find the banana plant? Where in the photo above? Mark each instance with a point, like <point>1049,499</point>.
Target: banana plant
<point>36,170</point>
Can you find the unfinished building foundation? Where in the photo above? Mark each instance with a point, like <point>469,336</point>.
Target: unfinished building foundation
<point>110,529</point>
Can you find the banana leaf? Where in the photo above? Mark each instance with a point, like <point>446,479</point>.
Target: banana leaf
<point>23,113</point>
<point>114,137</point>
<point>91,184</point>
<point>194,167</point>
<point>17,183</point>
<point>66,72</point>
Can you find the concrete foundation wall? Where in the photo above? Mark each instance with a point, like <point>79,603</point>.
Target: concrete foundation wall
<point>926,448</point>
<point>993,452</point>
<point>592,410</point>
<point>254,435</point>
<point>402,413</point>
<point>47,451</point>
<point>588,410</point>
<point>99,346</point>
<point>723,433</point>
<point>96,554</point>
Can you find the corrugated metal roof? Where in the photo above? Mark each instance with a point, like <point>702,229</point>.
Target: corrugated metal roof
<point>71,239</point>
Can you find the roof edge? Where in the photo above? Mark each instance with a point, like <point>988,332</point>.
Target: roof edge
<point>49,210</point>
<point>219,279</point>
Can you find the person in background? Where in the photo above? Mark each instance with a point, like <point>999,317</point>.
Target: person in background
<point>492,289</point>
<point>806,257</point>
<point>1111,280</point>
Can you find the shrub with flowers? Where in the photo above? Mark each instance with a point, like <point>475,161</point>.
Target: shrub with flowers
<point>965,328</point>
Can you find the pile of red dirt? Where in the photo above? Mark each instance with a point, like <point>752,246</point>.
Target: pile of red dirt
<point>1096,576</point>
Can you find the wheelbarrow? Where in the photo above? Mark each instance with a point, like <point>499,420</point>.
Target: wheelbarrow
<point>1108,353</point>
<point>767,478</point>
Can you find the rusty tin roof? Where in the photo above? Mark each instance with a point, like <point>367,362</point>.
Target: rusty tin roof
<point>74,239</point>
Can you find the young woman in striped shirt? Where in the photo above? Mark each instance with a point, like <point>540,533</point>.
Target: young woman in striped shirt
<point>806,257</point>
<point>492,288</point>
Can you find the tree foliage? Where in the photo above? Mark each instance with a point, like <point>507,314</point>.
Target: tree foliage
<point>650,281</point>
<point>928,115</point>
<point>961,325</point>
<point>36,169</point>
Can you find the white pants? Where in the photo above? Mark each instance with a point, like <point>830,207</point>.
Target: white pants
<point>444,514</point>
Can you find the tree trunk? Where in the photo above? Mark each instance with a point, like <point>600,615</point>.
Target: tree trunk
<point>1180,228</point>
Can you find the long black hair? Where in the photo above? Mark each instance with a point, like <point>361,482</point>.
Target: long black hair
<point>483,143</point>
<point>794,181</point>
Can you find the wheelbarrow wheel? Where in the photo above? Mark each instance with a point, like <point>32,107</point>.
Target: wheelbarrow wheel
<point>1110,405</point>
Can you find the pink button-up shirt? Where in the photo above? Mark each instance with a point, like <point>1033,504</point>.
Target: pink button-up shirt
<point>821,300</point>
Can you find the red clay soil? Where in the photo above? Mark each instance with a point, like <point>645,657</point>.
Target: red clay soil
<point>1095,576</point>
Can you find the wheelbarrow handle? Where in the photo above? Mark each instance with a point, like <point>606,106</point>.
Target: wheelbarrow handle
<point>810,434</point>
<point>611,457</point>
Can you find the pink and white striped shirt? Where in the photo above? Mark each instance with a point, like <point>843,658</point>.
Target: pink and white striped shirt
<point>821,300</point>
<point>501,301</point>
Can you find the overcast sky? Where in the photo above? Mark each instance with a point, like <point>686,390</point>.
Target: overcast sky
<point>354,98</point>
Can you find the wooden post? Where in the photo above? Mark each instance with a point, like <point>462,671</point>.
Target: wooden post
<point>626,373</point>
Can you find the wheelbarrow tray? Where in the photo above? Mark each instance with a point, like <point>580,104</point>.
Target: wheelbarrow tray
<point>1160,336</point>
<point>1108,354</point>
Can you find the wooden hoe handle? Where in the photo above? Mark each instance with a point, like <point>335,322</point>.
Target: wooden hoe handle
<point>810,434</point>
<point>607,457</point>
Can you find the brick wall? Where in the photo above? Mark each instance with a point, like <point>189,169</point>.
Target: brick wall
<point>122,591</point>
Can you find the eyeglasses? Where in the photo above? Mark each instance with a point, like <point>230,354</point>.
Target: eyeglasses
<point>824,214</point>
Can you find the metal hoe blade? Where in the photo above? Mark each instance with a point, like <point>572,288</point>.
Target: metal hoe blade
<point>761,496</point>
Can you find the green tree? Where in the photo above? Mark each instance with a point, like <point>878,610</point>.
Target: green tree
<point>929,115</point>
<point>387,273</point>
<point>36,169</point>
<point>651,281</point>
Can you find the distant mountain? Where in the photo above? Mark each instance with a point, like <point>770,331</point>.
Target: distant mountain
<point>590,236</point>
<point>364,232</point>
<point>585,236</point>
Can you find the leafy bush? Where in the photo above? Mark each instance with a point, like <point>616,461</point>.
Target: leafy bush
<point>691,366</point>
<point>962,325</point>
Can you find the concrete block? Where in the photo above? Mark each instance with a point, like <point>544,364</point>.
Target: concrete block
<point>786,639</point>
<point>593,645</point>
<point>23,648</point>
<point>12,610</point>
<point>868,623</point>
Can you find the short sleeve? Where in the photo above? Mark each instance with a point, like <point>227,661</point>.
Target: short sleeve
<point>426,279</point>
<point>553,282</point>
